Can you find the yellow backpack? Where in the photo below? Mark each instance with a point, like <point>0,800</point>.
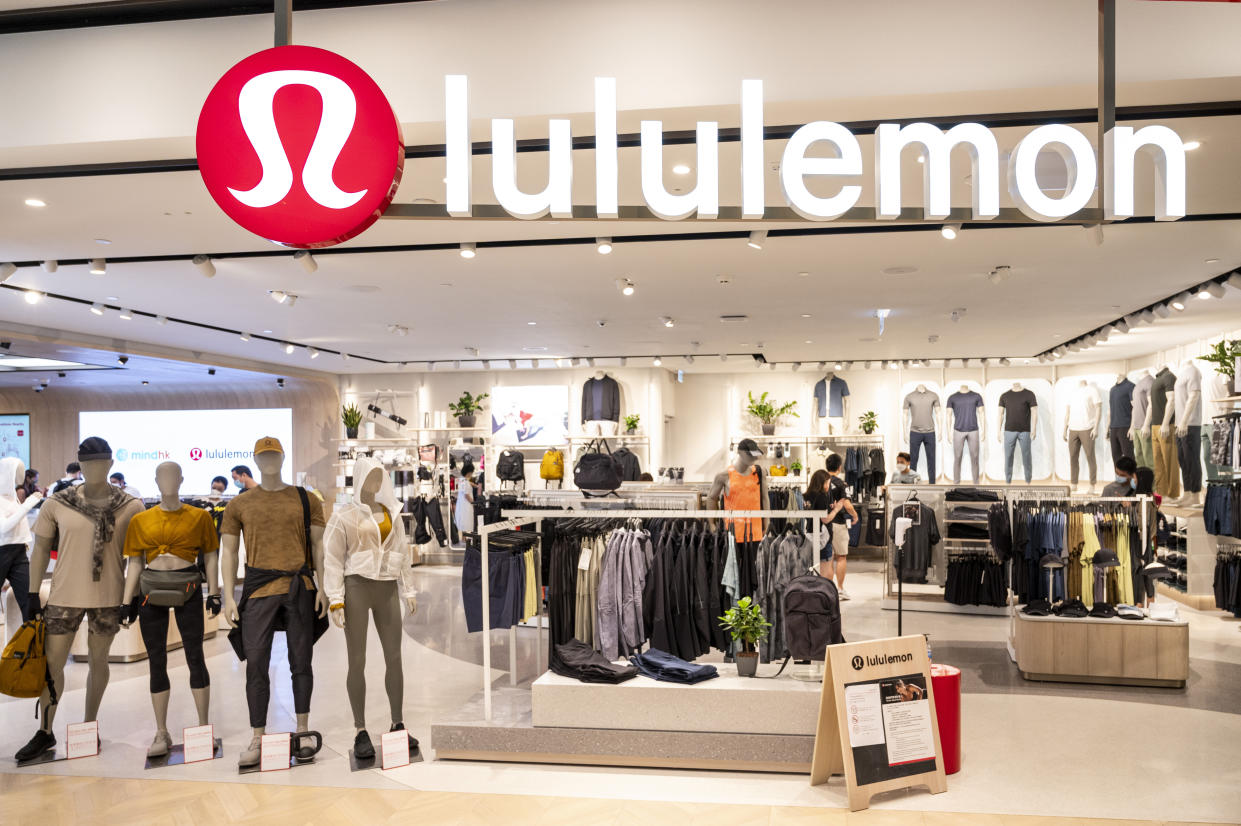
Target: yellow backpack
<point>552,466</point>
<point>23,666</point>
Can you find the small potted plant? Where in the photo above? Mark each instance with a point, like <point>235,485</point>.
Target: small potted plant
<point>868,421</point>
<point>747,625</point>
<point>768,413</point>
<point>352,417</point>
<point>796,467</point>
<point>467,408</point>
<point>631,423</point>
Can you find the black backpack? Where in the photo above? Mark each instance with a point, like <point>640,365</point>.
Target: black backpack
<point>511,467</point>
<point>811,617</point>
<point>596,470</point>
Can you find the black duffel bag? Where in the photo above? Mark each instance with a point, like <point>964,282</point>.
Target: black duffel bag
<point>596,470</point>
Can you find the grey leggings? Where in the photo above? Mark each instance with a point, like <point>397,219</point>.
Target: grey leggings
<point>364,597</point>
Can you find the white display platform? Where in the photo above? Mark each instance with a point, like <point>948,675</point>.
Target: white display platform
<point>726,704</point>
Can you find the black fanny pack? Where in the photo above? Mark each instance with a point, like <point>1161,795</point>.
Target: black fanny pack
<point>169,589</point>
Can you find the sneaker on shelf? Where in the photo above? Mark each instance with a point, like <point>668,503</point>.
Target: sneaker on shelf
<point>844,594</point>
<point>413,741</point>
<point>250,756</point>
<point>363,748</point>
<point>161,745</point>
<point>42,742</point>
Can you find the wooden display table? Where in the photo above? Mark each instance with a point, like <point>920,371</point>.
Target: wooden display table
<point>1110,651</point>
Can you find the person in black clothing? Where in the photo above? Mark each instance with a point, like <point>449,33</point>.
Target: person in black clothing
<point>73,475</point>
<point>838,495</point>
<point>817,499</point>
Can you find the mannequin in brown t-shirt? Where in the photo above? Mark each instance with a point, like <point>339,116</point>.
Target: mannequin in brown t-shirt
<point>271,518</point>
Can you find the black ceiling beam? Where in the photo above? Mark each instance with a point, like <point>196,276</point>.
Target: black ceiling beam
<point>130,12</point>
<point>1207,109</point>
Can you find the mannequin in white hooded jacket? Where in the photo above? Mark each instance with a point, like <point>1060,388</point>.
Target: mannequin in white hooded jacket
<point>368,572</point>
<point>15,536</point>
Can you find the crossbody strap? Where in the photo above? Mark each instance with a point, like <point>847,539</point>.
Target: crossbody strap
<point>305,497</point>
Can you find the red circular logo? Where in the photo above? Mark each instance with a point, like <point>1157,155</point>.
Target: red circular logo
<point>300,146</point>
<point>196,453</point>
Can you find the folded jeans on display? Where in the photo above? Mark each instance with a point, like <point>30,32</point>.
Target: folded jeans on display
<point>660,665</point>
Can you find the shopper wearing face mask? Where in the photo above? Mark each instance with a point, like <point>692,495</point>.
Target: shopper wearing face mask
<point>215,501</point>
<point>1126,483</point>
<point>243,479</point>
<point>903,475</point>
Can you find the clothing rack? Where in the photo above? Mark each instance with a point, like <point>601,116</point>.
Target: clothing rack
<point>484,533</point>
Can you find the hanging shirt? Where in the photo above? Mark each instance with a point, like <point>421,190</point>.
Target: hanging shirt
<point>964,407</point>
<point>829,396</point>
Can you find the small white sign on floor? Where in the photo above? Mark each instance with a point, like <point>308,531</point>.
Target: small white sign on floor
<point>82,739</point>
<point>199,743</point>
<point>274,751</point>
<point>395,747</point>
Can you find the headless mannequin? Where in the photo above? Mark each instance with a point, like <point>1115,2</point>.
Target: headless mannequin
<point>600,427</point>
<point>832,425</point>
<point>927,446</point>
<point>958,450</point>
<point>999,437</point>
<point>1083,438</point>
<point>97,491</point>
<point>168,479</point>
<point>1142,429</point>
<point>719,486</point>
<point>1193,452</point>
<point>389,632</point>
<point>269,464</point>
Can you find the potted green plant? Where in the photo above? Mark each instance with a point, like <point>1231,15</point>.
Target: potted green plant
<point>796,467</point>
<point>1224,356</point>
<point>768,413</point>
<point>352,417</point>
<point>868,421</point>
<point>631,423</point>
<point>467,407</point>
<point>747,625</point>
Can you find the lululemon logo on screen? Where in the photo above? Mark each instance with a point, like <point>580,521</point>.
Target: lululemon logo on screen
<point>857,663</point>
<point>196,454</point>
<point>300,146</point>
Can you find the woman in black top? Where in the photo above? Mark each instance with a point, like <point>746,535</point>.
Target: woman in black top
<point>817,499</point>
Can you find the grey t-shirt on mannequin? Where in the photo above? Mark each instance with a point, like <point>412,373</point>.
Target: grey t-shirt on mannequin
<point>1142,398</point>
<point>964,407</point>
<point>921,407</point>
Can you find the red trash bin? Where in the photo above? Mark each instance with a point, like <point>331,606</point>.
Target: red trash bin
<point>946,682</point>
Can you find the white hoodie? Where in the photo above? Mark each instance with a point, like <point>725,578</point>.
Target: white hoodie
<point>14,527</point>
<point>352,543</point>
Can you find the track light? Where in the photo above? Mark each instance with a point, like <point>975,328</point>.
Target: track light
<point>512,364</point>
<point>839,365</point>
<point>625,286</point>
<point>245,336</point>
<point>126,315</point>
<point>1178,303</point>
<point>210,371</point>
<point>288,348</point>
<point>161,320</point>
<point>96,308</point>
<point>205,266</point>
<point>50,265</point>
<point>6,271</point>
<point>688,359</point>
<point>303,257</point>
<point>280,382</point>
<point>1215,288</point>
<point>122,360</point>
<point>895,365</point>
<point>1147,316</point>
<point>1096,234</point>
<point>950,231</point>
<point>98,266</point>
<point>657,361</point>
<point>723,356</point>
<point>314,354</point>
<point>604,245</point>
<point>33,296</point>
<point>623,361</point>
<point>667,322</point>
<point>279,296</point>
<point>796,366</point>
<point>1004,362</point>
<point>1121,326</point>
<point>1162,310</point>
<point>757,238</point>
<point>469,250</point>
<point>1234,280</point>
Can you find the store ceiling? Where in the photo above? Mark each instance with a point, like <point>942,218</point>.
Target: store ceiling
<point>1062,285</point>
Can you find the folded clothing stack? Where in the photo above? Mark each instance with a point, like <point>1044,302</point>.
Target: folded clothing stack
<point>660,665</point>
<point>578,660</point>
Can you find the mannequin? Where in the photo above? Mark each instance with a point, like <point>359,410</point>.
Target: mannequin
<point>366,560</point>
<point>1140,429</point>
<point>831,405</point>
<point>1081,427</point>
<point>271,515</point>
<point>921,416</point>
<point>1162,417</point>
<point>966,423</point>
<point>600,405</point>
<point>86,525</point>
<point>1018,426</point>
<point>743,487</point>
<point>1120,417</point>
<point>15,532</point>
<point>170,537</point>
<point>1187,400</point>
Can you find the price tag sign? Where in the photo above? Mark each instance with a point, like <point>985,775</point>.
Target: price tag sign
<point>274,752</point>
<point>199,743</point>
<point>395,748</point>
<point>82,739</point>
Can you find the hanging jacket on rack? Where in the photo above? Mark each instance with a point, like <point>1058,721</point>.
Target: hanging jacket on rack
<point>630,467</point>
<point>920,539</point>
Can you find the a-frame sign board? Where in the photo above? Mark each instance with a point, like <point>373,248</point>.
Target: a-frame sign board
<point>877,720</point>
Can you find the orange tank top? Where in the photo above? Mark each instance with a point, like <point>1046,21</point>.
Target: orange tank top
<point>744,495</point>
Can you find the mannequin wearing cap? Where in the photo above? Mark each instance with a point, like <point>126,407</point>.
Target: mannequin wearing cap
<point>86,526</point>
<point>15,532</point>
<point>368,571</point>
<point>171,537</point>
<point>278,590</point>
<point>742,487</point>
<point>1082,419</point>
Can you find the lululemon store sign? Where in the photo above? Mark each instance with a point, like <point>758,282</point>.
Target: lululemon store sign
<point>300,146</point>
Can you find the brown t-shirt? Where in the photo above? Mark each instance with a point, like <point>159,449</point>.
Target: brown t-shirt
<point>73,585</point>
<point>272,525</point>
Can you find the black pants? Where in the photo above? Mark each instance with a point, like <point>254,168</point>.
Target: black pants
<point>15,567</point>
<point>260,618</point>
<point>428,511</point>
<point>153,621</point>
<point>1122,443</point>
<point>1189,456</point>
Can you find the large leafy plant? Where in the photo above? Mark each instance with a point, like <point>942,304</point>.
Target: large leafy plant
<point>746,623</point>
<point>1224,355</point>
<point>766,411</point>
<point>468,404</point>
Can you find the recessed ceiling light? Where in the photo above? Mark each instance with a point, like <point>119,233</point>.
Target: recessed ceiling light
<point>267,332</point>
<point>922,159</point>
<point>805,315</point>
<point>905,270</point>
<point>1190,146</point>
<point>532,323</point>
<point>668,322</point>
<point>1211,261</point>
<point>808,341</point>
<point>680,169</point>
<point>803,274</point>
<point>102,241</point>
<point>35,202</point>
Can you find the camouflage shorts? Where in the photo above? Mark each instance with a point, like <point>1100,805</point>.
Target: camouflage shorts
<point>102,621</point>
